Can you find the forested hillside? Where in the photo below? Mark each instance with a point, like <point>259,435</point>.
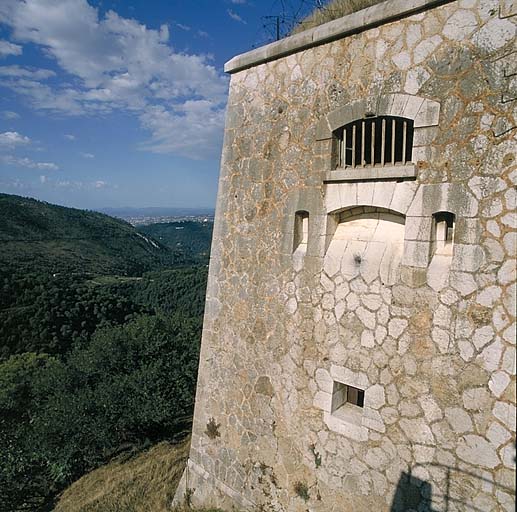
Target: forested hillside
<point>188,240</point>
<point>35,235</point>
<point>100,329</point>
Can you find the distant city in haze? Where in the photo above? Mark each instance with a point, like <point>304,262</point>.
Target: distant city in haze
<point>155,215</point>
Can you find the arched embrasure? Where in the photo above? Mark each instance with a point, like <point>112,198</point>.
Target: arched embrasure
<point>367,241</point>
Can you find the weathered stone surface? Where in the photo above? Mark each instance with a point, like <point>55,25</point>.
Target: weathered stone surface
<point>459,420</point>
<point>505,412</point>
<point>379,296</point>
<point>417,431</point>
<point>477,451</point>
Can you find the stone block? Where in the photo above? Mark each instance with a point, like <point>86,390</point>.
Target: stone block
<point>323,131</point>
<point>416,254</point>
<point>365,193</point>
<point>418,228</point>
<point>346,376</point>
<point>463,282</point>
<point>403,196</point>
<point>467,231</point>
<point>424,136</point>
<point>332,197</point>
<point>398,105</point>
<point>412,106</point>
<point>467,258</point>
<point>348,194</point>
<point>428,115</point>
<point>323,401</point>
<point>344,428</point>
<point>496,34</point>
<point>346,114</point>
<point>417,431</point>
<point>476,450</point>
<point>383,193</point>
<point>374,396</point>
<point>460,25</point>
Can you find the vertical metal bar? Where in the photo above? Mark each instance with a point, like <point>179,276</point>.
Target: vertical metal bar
<point>404,133</point>
<point>383,140</point>
<point>447,489</point>
<point>393,141</point>
<point>362,142</point>
<point>353,144</point>
<point>372,153</point>
<point>343,156</point>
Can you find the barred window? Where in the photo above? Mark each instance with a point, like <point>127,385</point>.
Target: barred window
<point>383,140</point>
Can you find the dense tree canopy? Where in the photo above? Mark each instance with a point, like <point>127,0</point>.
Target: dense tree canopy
<point>100,328</point>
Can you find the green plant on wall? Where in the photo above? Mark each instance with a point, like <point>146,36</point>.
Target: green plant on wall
<point>301,489</point>
<point>317,455</point>
<point>212,429</point>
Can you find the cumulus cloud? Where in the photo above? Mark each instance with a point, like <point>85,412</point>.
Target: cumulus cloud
<point>234,16</point>
<point>7,48</point>
<point>196,125</point>
<point>69,136</point>
<point>116,63</point>
<point>87,155</point>
<point>28,163</point>
<point>11,140</point>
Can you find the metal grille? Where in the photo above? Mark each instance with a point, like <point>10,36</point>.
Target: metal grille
<point>383,140</point>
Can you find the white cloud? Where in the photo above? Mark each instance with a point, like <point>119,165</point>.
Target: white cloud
<point>69,136</point>
<point>9,114</point>
<point>234,16</point>
<point>27,162</point>
<point>193,129</point>
<point>186,28</point>
<point>79,185</point>
<point>7,48</point>
<point>13,139</point>
<point>238,2</point>
<point>115,63</point>
<point>87,155</point>
<point>27,73</point>
<point>14,184</point>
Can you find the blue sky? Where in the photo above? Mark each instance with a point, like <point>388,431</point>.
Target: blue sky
<point>121,102</point>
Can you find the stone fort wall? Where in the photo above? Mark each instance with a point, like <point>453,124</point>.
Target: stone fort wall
<point>358,350</point>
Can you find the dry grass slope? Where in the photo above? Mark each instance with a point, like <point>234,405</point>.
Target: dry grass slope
<point>333,10</point>
<point>144,483</point>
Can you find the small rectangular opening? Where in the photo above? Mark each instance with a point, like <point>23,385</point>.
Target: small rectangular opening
<point>343,394</point>
<point>443,232</point>
<point>301,230</point>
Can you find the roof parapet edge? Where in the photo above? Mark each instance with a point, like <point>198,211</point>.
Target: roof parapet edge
<point>335,29</point>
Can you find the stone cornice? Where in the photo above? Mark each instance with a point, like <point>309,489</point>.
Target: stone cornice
<point>336,29</point>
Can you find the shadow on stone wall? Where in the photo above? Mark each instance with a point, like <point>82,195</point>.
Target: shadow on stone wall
<point>412,494</point>
<point>416,495</point>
